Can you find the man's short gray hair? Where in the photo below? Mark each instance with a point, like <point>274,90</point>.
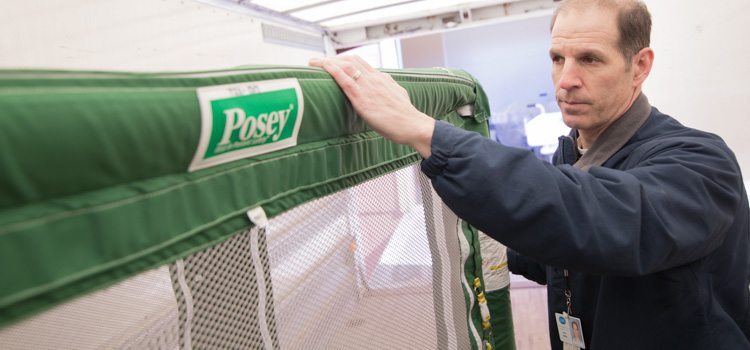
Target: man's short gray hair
<point>633,21</point>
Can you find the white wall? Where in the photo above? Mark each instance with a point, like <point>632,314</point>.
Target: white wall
<point>151,35</point>
<point>510,59</point>
<point>423,51</point>
<point>701,73</point>
<point>383,54</point>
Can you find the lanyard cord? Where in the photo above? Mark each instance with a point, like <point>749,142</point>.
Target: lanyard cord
<point>568,293</point>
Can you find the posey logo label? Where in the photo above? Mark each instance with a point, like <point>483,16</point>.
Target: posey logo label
<point>247,119</point>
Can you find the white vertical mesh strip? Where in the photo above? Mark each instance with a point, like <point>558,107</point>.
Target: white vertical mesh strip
<point>446,247</point>
<point>187,297</point>
<point>138,313</point>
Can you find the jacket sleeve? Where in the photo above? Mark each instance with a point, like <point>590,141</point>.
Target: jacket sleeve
<point>529,268</point>
<point>674,206</point>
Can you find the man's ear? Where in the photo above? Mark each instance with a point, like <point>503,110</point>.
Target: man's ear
<point>642,63</point>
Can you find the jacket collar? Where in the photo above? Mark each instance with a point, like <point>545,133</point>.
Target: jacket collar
<point>609,142</point>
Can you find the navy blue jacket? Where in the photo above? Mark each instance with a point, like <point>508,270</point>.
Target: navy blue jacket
<point>656,239</point>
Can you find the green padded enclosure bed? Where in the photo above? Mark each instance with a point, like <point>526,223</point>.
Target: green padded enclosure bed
<point>108,177</point>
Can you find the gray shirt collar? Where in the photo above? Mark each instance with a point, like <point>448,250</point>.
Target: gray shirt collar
<point>616,135</point>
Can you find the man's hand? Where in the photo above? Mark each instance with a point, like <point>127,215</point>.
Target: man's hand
<point>381,102</point>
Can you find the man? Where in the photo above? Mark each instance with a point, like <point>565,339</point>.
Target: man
<point>642,222</point>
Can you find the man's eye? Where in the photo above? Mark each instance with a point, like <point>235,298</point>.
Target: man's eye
<point>557,59</point>
<point>589,59</point>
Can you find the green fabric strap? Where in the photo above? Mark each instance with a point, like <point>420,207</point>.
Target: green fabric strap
<point>502,319</point>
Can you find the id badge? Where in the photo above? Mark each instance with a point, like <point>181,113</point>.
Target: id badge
<point>570,331</point>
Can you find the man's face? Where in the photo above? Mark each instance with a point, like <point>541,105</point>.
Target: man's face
<point>593,82</point>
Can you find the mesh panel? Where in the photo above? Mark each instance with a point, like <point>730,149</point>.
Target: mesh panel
<point>218,296</point>
<point>375,266</point>
<point>139,313</point>
<point>355,270</point>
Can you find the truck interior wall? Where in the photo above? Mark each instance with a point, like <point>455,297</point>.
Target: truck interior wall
<point>701,70</point>
<point>132,35</point>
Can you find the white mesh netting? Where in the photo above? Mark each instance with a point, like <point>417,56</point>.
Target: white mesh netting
<point>374,266</point>
<point>138,313</point>
<point>355,270</point>
<point>220,303</point>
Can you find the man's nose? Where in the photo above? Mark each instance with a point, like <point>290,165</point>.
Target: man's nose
<point>569,77</point>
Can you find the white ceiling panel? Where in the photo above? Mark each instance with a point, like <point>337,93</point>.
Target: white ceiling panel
<point>287,5</point>
<point>350,23</point>
<point>342,8</point>
<point>407,10</point>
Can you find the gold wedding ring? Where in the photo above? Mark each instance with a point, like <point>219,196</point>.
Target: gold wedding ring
<point>356,75</point>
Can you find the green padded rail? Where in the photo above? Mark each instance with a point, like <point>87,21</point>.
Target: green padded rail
<point>95,187</point>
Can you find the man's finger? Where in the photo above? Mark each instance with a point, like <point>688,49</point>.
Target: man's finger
<point>316,62</point>
<point>345,62</point>
<point>344,80</point>
<point>349,67</point>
